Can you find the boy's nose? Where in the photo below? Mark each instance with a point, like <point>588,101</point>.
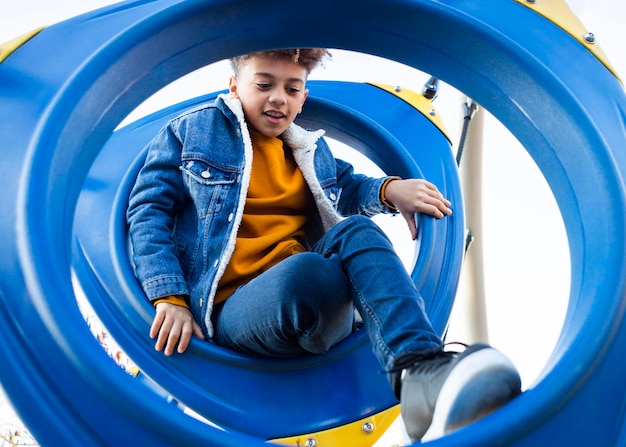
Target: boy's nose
<point>277,97</point>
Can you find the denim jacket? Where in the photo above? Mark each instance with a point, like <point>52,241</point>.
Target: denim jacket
<point>187,202</point>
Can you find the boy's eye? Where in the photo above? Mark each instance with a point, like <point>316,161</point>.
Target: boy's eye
<point>263,85</point>
<point>293,90</point>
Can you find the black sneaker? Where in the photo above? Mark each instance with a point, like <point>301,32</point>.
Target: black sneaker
<point>444,391</point>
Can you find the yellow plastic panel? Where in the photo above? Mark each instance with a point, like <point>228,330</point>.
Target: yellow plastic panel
<point>363,433</point>
<point>7,48</point>
<point>416,100</point>
<point>559,13</point>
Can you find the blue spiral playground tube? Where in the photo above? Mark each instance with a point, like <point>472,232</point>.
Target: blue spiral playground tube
<point>243,393</point>
<point>61,103</point>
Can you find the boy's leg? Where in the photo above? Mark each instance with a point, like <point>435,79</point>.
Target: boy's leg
<point>382,290</point>
<point>439,390</point>
<point>302,305</point>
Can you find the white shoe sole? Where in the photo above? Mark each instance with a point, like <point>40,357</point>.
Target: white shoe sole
<point>474,365</point>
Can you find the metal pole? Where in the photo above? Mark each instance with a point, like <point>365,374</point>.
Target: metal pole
<point>470,304</point>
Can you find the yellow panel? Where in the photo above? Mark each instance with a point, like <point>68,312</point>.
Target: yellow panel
<point>418,101</point>
<point>559,13</point>
<point>12,45</point>
<point>363,433</point>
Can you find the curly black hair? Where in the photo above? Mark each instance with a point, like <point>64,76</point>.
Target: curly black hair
<point>308,58</point>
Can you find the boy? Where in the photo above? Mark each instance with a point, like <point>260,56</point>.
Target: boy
<point>254,253</point>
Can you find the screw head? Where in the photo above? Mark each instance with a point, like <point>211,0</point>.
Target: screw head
<point>368,427</point>
<point>590,38</point>
<point>311,442</point>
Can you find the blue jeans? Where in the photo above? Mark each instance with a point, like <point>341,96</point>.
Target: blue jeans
<point>305,304</point>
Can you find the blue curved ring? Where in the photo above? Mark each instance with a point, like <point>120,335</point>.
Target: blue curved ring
<point>509,66</point>
<point>359,114</point>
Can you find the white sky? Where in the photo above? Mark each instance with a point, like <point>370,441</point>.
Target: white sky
<point>527,263</point>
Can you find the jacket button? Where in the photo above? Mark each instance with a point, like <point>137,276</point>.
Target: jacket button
<point>332,196</point>
<point>230,217</point>
<point>206,174</point>
<point>201,302</point>
<point>217,261</point>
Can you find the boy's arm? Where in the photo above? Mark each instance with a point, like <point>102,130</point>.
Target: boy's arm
<point>360,194</point>
<point>154,200</point>
<point>416,196</point>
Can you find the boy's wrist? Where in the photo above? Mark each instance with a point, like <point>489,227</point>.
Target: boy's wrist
<point>172,299</point>
<point>383,189</point>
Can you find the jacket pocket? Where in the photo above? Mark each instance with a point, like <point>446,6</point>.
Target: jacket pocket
<point>207,185</point>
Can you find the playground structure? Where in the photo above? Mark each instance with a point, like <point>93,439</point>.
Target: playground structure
<point>57,131</point>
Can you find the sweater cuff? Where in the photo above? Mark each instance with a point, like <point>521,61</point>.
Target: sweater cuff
<point>175,300</point>
<point>383,199</point>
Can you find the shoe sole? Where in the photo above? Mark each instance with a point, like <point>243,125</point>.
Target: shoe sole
<point>475,370</point>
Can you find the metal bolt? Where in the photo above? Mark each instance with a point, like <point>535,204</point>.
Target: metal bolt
<point>432,112</point>
<point>311,442</point>
<point>398,88</point>
<point>368,427</point>
<point>590,38</point>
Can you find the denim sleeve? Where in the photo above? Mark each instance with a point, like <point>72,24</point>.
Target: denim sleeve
<point>360,194</point>
<point>151,216</point>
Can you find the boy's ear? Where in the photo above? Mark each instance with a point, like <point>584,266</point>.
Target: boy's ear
<point>232,86</point>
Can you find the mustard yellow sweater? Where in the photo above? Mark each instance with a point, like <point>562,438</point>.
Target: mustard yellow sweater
<point>278,206</point>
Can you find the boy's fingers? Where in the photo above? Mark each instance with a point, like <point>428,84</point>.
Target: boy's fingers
<point>410,220</point>
<point>156,324</point>
<point>185,338</point>
<point>161,342</point>
<point>172,341</point>
<point>197,330</point>
<point>165,333</point>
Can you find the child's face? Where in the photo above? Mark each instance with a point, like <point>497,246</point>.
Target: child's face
<point>271,91</point>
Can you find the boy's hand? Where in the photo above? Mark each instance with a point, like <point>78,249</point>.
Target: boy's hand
<point>417,195</point>
<point>174,325</point>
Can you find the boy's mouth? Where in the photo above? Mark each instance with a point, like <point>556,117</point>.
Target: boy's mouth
<point>274,115</point>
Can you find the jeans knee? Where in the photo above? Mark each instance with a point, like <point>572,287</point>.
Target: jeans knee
<point>362,223</point>
<point>321,281</point>
<point>359,221</point>
<point>359,228</point>
<point>310,279</point>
